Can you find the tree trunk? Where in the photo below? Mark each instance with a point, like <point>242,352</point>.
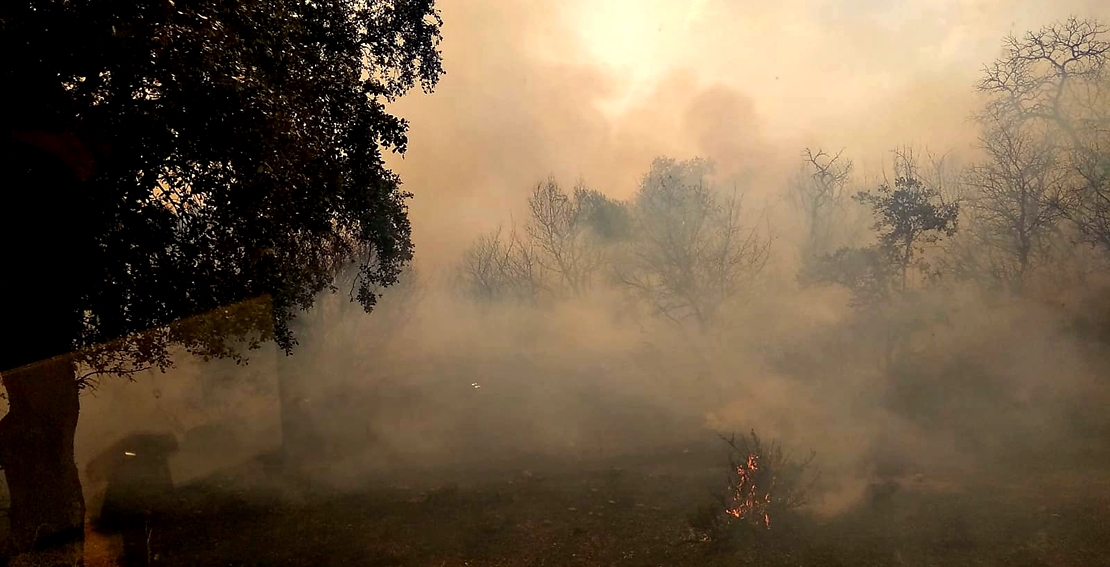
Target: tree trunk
<point>36,453</point>
<point>44,202</point>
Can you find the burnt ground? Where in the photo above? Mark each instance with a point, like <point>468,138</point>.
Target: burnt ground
<point>630,511</point>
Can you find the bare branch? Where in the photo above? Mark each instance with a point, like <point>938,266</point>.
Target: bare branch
<point>819,195</point>
<point>691,253</point>
<point>1055,78</point>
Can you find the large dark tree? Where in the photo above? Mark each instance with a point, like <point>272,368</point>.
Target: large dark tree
<point>163,159</point>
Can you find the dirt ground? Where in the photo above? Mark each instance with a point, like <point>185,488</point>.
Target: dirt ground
<point>631,511</point>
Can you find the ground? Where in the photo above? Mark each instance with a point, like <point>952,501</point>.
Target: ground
<point>627,511</point>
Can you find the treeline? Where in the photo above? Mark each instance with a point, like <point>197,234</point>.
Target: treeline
<point>1029,216</point>
<point>679,245</point>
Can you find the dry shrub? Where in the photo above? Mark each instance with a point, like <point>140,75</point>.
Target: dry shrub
<point>765,487</point>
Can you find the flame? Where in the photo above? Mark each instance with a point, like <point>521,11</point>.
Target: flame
<point>748,500</point>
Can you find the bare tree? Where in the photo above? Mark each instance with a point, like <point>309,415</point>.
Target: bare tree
<point>940,172</point>
<point>498,267</point>
<point>1055,78</point>
<point>1087,202</point>
<point>819,194</point>
<point>1013,223</point>
<point>690,252</point>
<point>1055,74</point>
<point>560,231</point>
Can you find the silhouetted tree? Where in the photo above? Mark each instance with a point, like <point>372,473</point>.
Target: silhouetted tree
<point>1013,225</point>
<point>608,220</point>
<point>559,228</point>
<point>909,216</point>
<point>819,195</point>
<point>163,160</point>
<point>1055,79</point>
<point>690,252</point>
<point>566,242</point>
<point>497,267</point>
<point>866,272</point>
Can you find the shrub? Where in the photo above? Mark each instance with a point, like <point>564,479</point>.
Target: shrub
<point>764,485</point>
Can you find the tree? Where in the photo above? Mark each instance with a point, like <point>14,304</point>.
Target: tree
<point>1013,224</point>
<point>1054,79</point>
<point>566,241</point>
<point>497,268</point>
<point>559,231</point>
<point>864,271</point>
<point>609,221</point>
<point>818,194</point>
<point>909,216</point>
<point>186,158</point>
<point>569,232</point>
<point>690,253</point>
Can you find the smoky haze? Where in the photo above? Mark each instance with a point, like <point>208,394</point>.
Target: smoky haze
<point>579,91</point>
<point>573,89</point>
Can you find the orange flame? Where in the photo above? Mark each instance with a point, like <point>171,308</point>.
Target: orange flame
<point>747,502</point>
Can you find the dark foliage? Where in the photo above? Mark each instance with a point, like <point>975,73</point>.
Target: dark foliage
<point>863,271</point>
<point>908,216</point>
<point>609,219</point>
<point>220,151</point>
<point>189,173</point>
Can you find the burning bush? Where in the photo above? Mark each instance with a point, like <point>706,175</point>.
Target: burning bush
<point>764,485</point>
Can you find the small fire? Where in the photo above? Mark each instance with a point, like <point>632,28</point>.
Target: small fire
<point>749,501</point>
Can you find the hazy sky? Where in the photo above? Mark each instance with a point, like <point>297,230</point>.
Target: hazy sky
<point>596,89</point>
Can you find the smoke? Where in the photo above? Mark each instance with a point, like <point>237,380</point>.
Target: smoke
<point>579,91</point>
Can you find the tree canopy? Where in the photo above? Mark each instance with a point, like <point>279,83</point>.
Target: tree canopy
<point>164,161</point>
<point>210,152</point>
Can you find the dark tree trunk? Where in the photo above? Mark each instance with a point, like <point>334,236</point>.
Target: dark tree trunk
<point>41,204</point>
<point>36,453</point>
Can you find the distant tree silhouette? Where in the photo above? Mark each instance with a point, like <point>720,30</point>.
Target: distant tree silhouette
<point>1013,228</point>
<point>819,194</point>
<point>498,267</point>
<point>1055,80</point>
<point>569,232</point>
<point>908,216</point>
<point>166,159</point>
<point>690,252</point>
<point>563,247</point>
